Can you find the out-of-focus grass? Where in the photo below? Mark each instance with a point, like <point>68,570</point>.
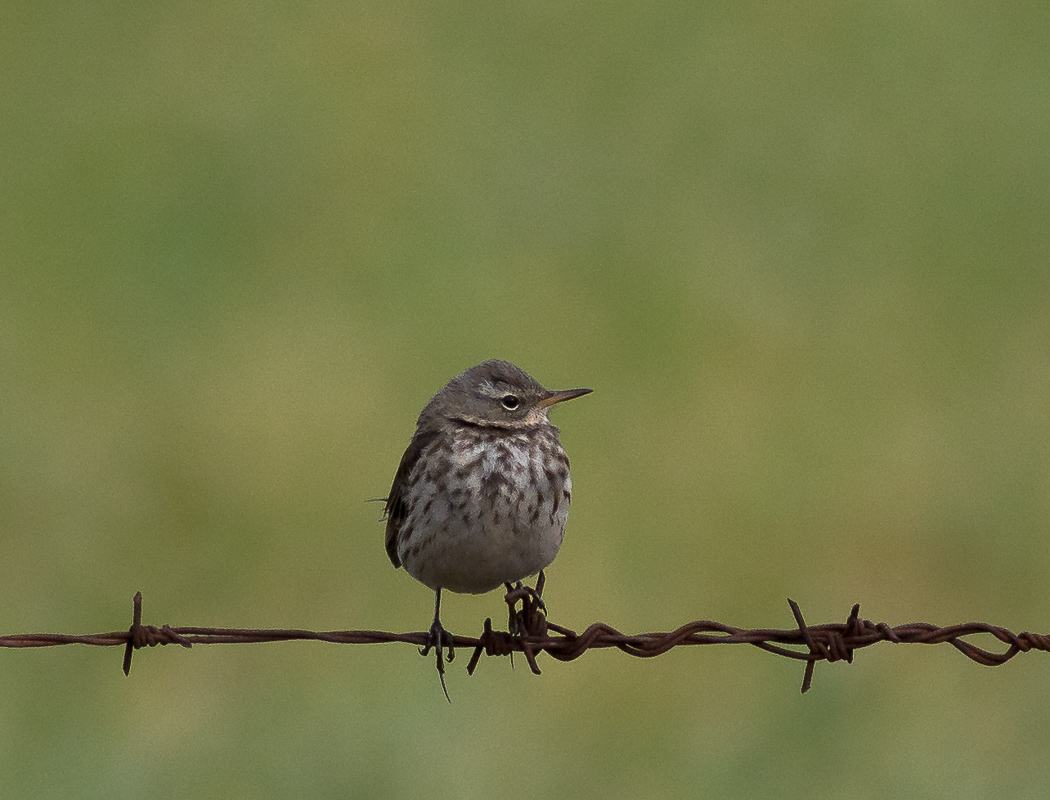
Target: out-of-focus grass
<point>800,255</point>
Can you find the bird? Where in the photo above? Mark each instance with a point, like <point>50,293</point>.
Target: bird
<point>481,495</point>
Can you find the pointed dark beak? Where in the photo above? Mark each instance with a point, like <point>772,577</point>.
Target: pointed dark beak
<point>561,397</point>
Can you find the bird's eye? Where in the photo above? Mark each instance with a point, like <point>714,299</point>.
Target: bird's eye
<point>510,402</point>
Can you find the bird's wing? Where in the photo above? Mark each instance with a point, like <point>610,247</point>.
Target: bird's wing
<point>396,510</point>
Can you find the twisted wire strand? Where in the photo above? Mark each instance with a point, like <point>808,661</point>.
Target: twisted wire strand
<point>828,642</point>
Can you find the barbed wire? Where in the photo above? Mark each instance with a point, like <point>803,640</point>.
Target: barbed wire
<point>534,634</point>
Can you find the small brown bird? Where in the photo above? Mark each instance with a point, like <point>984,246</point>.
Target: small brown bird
<point>482,493</point>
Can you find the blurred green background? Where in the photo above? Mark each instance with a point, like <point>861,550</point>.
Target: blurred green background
<point>800,253</point>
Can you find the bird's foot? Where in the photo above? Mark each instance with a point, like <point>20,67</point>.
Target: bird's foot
<point>531,620</point>
<point>439,640</point>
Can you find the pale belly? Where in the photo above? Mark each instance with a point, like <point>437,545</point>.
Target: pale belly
<point>489,517</point>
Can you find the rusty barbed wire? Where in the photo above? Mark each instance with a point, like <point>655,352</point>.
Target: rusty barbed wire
<point>534,634</point>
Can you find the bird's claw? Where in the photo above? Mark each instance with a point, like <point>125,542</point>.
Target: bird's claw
<point>439,640</point>
<point>531,620</point>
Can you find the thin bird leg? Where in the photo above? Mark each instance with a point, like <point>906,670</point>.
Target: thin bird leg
<point>530,619</point>
<point>537,593</point>
<point>440,640</point>
<point>511,598</point>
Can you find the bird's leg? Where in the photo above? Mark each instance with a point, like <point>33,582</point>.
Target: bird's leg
<point>537,593</point>
<point>511,598</point>
<point>531,618</point>
<point>440,640</point>
<point>530,621</point>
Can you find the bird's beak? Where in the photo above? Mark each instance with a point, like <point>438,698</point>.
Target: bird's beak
<point>561,397</point>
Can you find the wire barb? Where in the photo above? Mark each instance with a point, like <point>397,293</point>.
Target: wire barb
<point>140,635</point>
<point>535,635</point>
